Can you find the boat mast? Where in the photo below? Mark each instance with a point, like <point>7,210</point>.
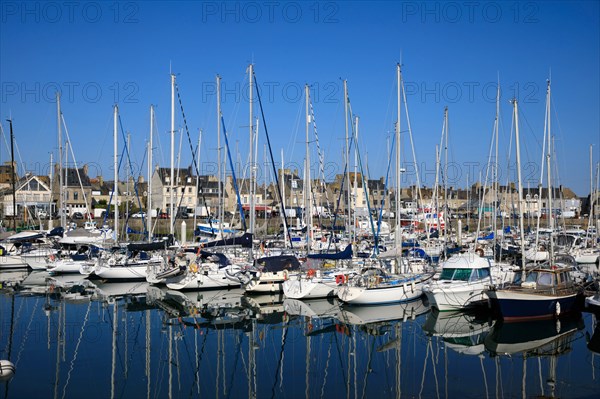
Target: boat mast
<point>548,161</point>
<point>198,174</point>
<point>61,195</point>
<point>519,187</point>
<point>116,171</point>
<point>355,182</point>
<point>12,174</point>
<point>220,213</point>
<point>251,147</point>
<point>398,230</point>
<point>283,215</point>
<point>445,172</point>
<point>171,194</point>
<point>128,190</point>
<point>50,221</point>
<point>307,185</point>
<point>591,218</point>
<point>150,170</point>
<point>347,177</point>
<point>496,182</point>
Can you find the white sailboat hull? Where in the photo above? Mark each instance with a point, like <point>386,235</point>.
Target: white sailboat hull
<point>131,271</point>
<point>310,288</point>
<point>403,291</point>
<point>202,280</point>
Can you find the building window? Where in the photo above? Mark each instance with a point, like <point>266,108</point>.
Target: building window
<point>75,195</point>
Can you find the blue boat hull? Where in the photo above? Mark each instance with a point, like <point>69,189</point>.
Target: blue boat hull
<point>536,307</point>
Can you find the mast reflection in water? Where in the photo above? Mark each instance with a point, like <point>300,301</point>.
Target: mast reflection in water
<point>72,337</point>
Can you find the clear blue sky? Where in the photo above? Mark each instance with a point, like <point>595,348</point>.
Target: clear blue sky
<point>452,53</point>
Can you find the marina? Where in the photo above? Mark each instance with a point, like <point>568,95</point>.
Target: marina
<point>300,200</point>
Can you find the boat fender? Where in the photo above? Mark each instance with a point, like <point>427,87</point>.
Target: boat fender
<point>194,267</point>
<point>285,274</point>
<point>7,370</point>
<point>557,311</point>
<point>412,286</point>
<point>339,279</point>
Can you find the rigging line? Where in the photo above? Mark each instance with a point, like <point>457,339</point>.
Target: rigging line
<point>387,174</point>
<point>194,156</point>
<point>337,207</point>
<point>364,183</point>
<point>485,186</point>
<point>135,184</point>
<point>321,156</point>
<point>235,185</point>
<point>76,167</point>
<point>412,145</point>
<point>113,193</point>
<point>262,112</point>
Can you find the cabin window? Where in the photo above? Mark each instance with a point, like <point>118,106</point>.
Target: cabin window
<point>483,273</point>
<point>456,274</point>
<point>447,274</point>
<point>545,279</point>
<point>532,277</point>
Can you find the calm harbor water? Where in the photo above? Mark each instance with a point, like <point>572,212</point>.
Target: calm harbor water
<point>72,339</point>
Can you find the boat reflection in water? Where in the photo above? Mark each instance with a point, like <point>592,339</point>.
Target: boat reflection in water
<point>137,340</point>
<point>544,340</point>
<point>463,332</point>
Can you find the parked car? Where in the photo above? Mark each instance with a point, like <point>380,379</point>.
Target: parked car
<point>42,214</point>
<point>77,215</point>
<point>163,215</point>
<point>138,215</point>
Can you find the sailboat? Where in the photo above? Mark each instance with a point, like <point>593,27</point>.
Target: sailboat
<point>374,285</point>
<point>315,282</point>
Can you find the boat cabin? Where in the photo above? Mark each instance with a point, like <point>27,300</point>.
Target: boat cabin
<point>466,268</point>
<point>547,278</point>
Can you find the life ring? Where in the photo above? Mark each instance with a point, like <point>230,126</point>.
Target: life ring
<point>311,273</point>
<point>194,267</point>
<point>479,251</point>
<point>339,279</point>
